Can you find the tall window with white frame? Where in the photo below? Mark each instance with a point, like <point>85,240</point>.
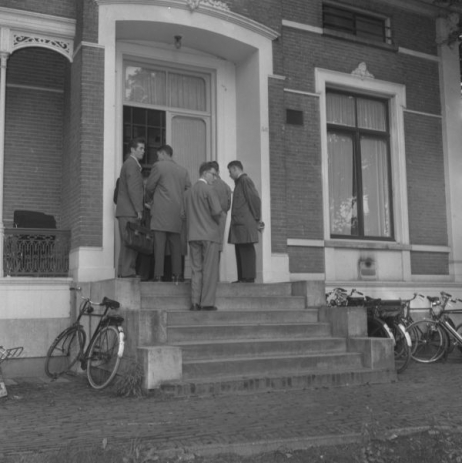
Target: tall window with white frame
<point>358,144</point>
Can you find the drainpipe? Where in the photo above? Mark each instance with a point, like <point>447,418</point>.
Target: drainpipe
<point>3,60</point>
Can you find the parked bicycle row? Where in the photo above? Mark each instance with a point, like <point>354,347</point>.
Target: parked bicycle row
<point>426,340</point>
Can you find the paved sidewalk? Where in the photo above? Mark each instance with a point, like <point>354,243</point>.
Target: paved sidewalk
<point>38,415</point>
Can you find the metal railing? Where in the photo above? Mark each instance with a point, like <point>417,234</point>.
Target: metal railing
<point>36,252</point>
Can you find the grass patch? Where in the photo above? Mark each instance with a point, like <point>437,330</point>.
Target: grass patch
<point>130,384</point>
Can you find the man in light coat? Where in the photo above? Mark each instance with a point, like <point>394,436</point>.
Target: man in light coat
<point>129,205</point>
<point>203,212</point>
<point>167,183</point>
<point>245,223</point>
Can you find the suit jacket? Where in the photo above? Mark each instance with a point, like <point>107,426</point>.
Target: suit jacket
<point>130,196</point>
<point>167,183</point>
<point>224,195</point>
<point>203,211</point>
<point>245,212</point>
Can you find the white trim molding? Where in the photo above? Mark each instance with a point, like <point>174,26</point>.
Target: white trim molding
<point>305,243</point>
<point>420,113</point>
<point>300,92</point>
<point>302,27</point>
<point>418,54</point>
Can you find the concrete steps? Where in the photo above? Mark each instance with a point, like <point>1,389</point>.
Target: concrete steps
<point>260,335</point>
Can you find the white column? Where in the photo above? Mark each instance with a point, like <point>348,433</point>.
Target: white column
<point>451,106</point>
<point>3,60</point>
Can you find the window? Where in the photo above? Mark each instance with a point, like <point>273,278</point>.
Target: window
<point>358,152</point>
<point>148,124</point>
<point>362,25</point>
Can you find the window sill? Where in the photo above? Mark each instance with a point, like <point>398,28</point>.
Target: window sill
<point>352,38</point>
<point>390,246</point>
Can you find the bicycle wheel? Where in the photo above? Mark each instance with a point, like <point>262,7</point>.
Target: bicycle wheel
<point>64,352</point>
<point>402,349</point>
<point>376,329</point>
<point>103,359</point>
<point>428,341</point>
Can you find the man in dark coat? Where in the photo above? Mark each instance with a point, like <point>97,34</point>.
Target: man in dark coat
<point>224,195</point>
<point>245,223</point>
<point>167,183</point>
<point>129,205</point>
<point>203,212</point>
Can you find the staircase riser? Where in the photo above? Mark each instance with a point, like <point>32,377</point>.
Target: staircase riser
<point>205,333</point>
<point>264,383</point>
<point>224,289</point>
<point>245,316</point>
<point>225,303</point>
<point>270,366</point>
<point>252,349</point>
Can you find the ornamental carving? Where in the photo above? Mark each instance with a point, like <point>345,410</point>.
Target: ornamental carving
<point>61,46</point>
<point>362,72</point>
<point>194,4</point>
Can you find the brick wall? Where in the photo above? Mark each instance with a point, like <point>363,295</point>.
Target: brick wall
<point>34,132</point>
<point>87,21</point>
<point>425,177</point>
<point>84,167</point>
<point>429,263</point>
<point>64,8</point>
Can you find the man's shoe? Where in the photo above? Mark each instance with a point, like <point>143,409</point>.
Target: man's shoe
<point>129,276</point>
<point>175,279</point>
<point>248,280</point>
<point>237,281</point>
<point>209,307</point>
<point>195,307</point>
<point>157,279</point>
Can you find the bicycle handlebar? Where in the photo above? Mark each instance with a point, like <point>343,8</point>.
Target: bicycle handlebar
<point>106,302</point>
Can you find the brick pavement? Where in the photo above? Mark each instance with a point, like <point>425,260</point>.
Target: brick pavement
<point>38,415</point>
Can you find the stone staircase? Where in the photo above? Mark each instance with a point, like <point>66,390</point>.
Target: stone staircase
<point>262,337</point>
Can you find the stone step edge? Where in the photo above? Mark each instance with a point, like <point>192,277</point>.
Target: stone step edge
<point>270,357</point>
<point>253,341</point>
<point>309,379</point>
<point>228,325</point>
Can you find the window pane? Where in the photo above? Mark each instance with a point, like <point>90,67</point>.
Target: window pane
<point>340,109</point>
<point>376,194</point>
<point>372,114</point>
<point>342,187</point>
<point>370,28</point>
<point>187,92</point>
<point>338,19</point>
<point>146,86</point>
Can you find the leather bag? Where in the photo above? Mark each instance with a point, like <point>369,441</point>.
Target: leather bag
<point>140,238</point>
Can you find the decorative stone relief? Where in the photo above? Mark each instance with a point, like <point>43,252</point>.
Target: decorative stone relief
<point>194,4</point>
<point>64,47</point>
<point>362,72</point>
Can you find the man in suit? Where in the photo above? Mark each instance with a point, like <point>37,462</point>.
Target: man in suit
<point>224,195</point>
<point>167,183</point>
<point>129,205</point>
<point>245,223</point>
<point>203,212</point>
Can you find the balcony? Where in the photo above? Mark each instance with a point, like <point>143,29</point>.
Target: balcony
<point>36,252</point>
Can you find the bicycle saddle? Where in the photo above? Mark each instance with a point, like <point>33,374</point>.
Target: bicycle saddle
<point>433,298</point>
<point>110,303</point>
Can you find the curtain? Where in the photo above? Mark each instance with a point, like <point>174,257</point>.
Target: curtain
<point>342,190</point>
<point>189,143</point>
<point>187,92</point>
<point>146,86</point>
<point>375,181</point>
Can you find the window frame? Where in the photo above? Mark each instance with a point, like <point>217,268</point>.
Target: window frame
<point>356,15</point>
<point>356,133</point>
<point>396,94</point>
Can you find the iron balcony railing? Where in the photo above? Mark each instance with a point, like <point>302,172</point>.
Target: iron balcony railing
<point>36,252</point>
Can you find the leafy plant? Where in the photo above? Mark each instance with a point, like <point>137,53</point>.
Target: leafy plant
<point>130,384</point>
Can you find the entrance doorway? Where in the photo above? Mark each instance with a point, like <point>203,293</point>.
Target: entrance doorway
<point>164,105</point>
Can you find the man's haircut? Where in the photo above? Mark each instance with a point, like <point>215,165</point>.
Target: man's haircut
<point>135,142</point>
<point>166,149</point>
<point>206,167</point>
<point>215,164</point>
<point>237,164</point>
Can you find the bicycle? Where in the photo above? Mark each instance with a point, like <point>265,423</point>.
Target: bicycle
<point>105,348</point>
<point>382,321</point>
<point>434,338</point>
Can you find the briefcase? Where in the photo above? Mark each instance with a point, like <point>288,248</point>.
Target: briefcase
<point>140,238</point>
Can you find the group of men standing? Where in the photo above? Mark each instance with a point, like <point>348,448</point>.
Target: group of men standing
<point>201,209</point>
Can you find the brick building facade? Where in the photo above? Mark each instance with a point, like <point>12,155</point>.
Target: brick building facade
<point>276,79</point>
